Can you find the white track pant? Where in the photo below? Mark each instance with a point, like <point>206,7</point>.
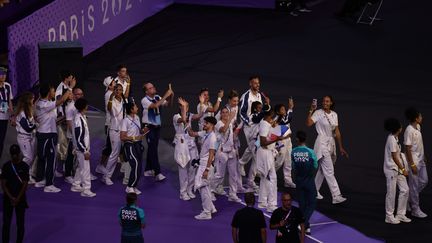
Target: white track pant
<point>186,178</point>
<point>284,159</point>
<point>249,154</point>
<point>27,145</point>
<point>82,173</point>
<point>394,179</point>
<point>203,186</point>
<point>62,142</point>
<point>115,151</point>
<point>267,194</point>
<point>326,170</point>
<point>416,184</point>
<point>222,162</point>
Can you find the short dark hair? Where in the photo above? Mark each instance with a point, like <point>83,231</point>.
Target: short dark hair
<point>44,89</point>
<point>249,198</point>
<point>14,149</point>
<point>233,94</point>
<point>119,67</point>
<point>392,125</point>
<point>278,107</point>
<point>254,105</point>
<point>301,136</point>
<point>81,104</point>
<point>128,107</point>
<point>65,74</point>
<point>203,90</point>
<point>254,77</point>
<point>144,86</point>
<point>411,114</point>
<point>131,198</point>
<point>286,193</point>
<point>210,119</point>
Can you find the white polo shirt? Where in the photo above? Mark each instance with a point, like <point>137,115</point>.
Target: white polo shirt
<point>209,142</point>
<point>46,116</point>
<point>116,114</point>
<point>71,111</point>
<point>392,146</point>
<point>264,131</point>
<point>151,115</point>
<point>5,96</point>
<point>131,125</point>
<point>413,138</point>
<point>325,123</point>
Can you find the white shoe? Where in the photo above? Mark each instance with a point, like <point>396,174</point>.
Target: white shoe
<point>290,184</point>
<point>213,210</point>
<point>138,192</point>
<point>308,231</point>
<point>271,209</point>
<point>40,183</point>
<point>160,177</point>
<point>234,198</point>
<point>31,181</point>
<point>418,213</point>
<point>213,197</point>
<point>305,10</point>
<point>77,188</point>
<point>191,195</point>
<point>88,193</point>
<point>338,199</point>
<point>93,177</point>
<point>149,173</point>
<point>58,174</point>
<point>69,179</point>
<point>100,169</point>
<point>107,181</point>
<point>130,190</point>
<point>262,205</point>
<point>403,218</point>
<point>203,216</point>
<point>319,196</point>
<point>220,191</point>
<point>242,170</point>
<point>52,189</point>
<point>185,197</point>
<point>391,220</point>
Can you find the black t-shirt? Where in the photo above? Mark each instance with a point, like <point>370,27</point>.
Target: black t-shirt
<point>9,174</point>
<point>288,233</point>
<point>249,221</point>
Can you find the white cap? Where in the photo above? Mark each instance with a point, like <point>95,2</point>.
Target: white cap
<point>107,81</point>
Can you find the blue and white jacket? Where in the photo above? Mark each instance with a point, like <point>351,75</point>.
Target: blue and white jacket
<point>246,101</point>
<point>81,135</point>
<point>25,125</point>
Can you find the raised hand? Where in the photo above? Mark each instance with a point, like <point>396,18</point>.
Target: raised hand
<point>220,93</point>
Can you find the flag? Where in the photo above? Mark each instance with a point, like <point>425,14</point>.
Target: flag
<point>279,130</point>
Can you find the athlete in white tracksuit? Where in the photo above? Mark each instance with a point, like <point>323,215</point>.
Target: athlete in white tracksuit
<point>205,168</point>
<point>206,106</point>
<point>81,142</point>
<point>185,149</point>
<point>414,148</point>
<point>26,127</point>
<point>226,155</point>
<point>327,127</point>
<point>396,171</point>
<point>115,106</point>
<point>246,101</point>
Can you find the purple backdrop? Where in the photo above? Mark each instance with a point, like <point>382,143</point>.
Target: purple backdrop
<point>233,3</point>
<point>92,22</point>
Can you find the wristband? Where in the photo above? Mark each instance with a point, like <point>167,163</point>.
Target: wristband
<point>219,99</point>
<point>412,165</point>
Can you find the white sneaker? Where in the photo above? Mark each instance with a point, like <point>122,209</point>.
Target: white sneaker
<point>262,205</point>
<point>271,209</point>
<point>213,197</point>
<point>100,169</point>
<point>319,196</point>
<point>338,199</point>
<point>160,177</point>
<point>191,195</point>
<point>203,216</point>
<point>52,189</point>
<point>75,188</point>
<point>69,179</point>
<point>293,14</point>
<point>138,192</point>
<point>58,174</point>
<point>305,10</point>
<point>31,181</point>
<point>107,181</point>
<point>185,197</point>
<point>290,184</point>
<point>40,183</point>
<point>149,173</point>
<point>88,193</point>
<point>391,220</point>
<point>234,198</point>
<point>93,177</point>
<point>403,218</point>
<point>130,190</point>
<point>220,191</point>
<point>242,170</point>
<point>418,213</point>
<point>308,231</point>
<point>213,210</point>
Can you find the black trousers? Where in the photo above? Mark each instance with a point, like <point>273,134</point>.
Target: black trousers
<point>152,153</point>
<point>133,155</point>
<point>7,219</point>
<point>3,130</point>
<point>69,160</point>
<point>132,239</point>
<point>46,151</point>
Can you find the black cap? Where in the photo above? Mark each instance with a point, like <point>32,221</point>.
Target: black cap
<point>14,149</point>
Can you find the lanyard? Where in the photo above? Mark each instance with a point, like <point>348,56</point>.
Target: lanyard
<point>16,173</point>
<point>5,92</point>
<point>139,128</point>
<point>154,101</point>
